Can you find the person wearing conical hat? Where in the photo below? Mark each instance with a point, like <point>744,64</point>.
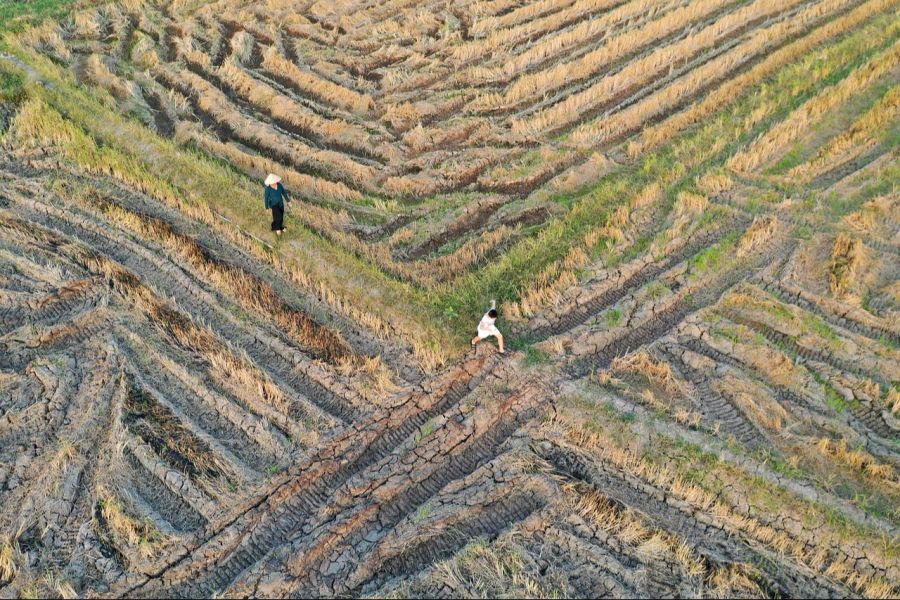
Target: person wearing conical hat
<point>275,198</point>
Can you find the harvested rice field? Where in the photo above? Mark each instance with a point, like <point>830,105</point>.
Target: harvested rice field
<point>687,213</point>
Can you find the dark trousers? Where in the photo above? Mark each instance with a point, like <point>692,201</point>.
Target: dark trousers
<point>278,217</point>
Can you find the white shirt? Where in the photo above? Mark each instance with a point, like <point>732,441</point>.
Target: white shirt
<point>486,327</point>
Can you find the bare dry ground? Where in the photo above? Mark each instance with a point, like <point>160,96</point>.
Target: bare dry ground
<point>688,212</point>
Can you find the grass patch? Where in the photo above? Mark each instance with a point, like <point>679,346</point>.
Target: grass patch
<point>609,410</point>
<point>710,259</point>
<point>819,327</point>
<point>603,413</point>
<point>832,397</point>
<point>426,430</point>
<point>422,513</point>
<point>729,333</point>
<point>140,534</point>
<point>12,85</point>
<point>793,158</point>
<point>777,310</point>
<point>694,453</point>
<point>804,231</point>
<point>657,290</point>
<point>840,205</point>
<point>521,342</point>
<point>16,16</point>
<point>888,342</point>
<point>612,317</point>
<point>535,356</point>
<point>834,400</point>
<point>639,247</point>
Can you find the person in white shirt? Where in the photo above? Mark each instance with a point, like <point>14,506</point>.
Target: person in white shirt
<point>488,328</point>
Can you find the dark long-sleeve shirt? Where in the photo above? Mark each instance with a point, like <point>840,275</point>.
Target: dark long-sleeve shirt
<point>275,196</point>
